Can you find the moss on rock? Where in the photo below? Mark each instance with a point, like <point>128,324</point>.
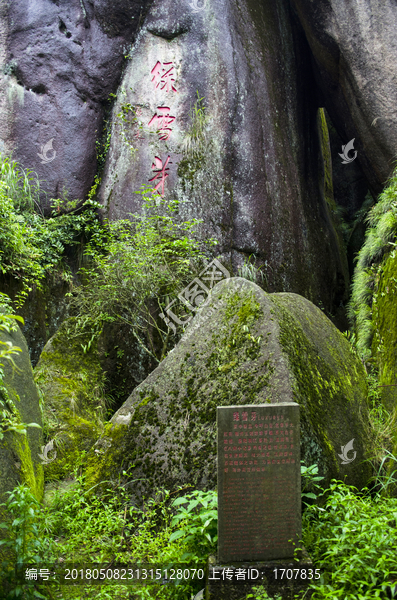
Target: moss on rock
<point>329,385</point>
<point>384,342</point>
<point>243,347</point>
<point>19,453</point>
<point>72,382</point>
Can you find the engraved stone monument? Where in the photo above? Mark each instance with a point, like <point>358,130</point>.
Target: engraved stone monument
<point>259,482</point>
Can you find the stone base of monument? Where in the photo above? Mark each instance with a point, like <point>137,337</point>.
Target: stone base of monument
<point>280,578</point>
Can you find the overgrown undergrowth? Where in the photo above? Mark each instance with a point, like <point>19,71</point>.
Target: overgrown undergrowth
<point>351,537</point>
<point>379,242</point>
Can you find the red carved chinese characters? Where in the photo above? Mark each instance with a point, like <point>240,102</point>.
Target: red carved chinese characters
<point>162,119</point>
<point>163,76</point>
<point>160,171</point>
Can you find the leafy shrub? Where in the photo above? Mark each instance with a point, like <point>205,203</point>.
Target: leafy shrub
<point>354,539</point>
<point>135,267</point>
<point>198,525</point>
<point>32,247</point>
<point>25,541</point>
<point>310,482</point>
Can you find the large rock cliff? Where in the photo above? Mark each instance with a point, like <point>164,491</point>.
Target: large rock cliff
<point>354,49</point>
<point>60,60</point>
<point>247,158</point>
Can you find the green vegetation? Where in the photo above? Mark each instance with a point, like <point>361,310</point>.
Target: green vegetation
<point>26,542</point>
<point>354,539</point>
<point>131,270</point>
<point>379,242</point>
<point>249,271</point>
<point>198,525</point>
<point>350,536</point>
<point>33,248</point>
<point>195,140</point>
<point>310,483</point>
<point>73,526</point>
<point>9,416</point>
<point>136,267</point>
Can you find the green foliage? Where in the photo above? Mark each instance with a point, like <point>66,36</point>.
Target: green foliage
<point>383,422</point>
<point>136,265</point>
<point>102,145</point>
<point>25,541</point>
<point>110,528</point>
<point>379,240</point>
<point>385,479</point>
<point>354,539</point>
<point>260,593</point>
<point>33,248</point>
<point>198,522</point>
<point>249,271</point>
<point>310,481</point>
<point>9,416</point>
<point>22,184</point>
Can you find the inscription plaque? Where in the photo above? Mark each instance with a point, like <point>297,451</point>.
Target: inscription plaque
<point>259,481</point>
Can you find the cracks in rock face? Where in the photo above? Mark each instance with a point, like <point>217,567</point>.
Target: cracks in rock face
<point>168,35</point>
<point>39,89</point>
<point>63,29</point>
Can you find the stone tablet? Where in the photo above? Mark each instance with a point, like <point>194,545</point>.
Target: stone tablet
<point>259,481</point>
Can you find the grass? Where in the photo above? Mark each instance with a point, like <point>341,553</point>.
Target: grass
<point>195,139</point>
<point>350,535</point>
<point>74,526</point>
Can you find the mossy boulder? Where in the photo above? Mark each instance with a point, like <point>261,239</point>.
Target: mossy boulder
<point>72,382</point>
<point>19,453</point>
<point>244,347</point>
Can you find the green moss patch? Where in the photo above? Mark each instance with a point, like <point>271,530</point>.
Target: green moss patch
<point>72,382</point>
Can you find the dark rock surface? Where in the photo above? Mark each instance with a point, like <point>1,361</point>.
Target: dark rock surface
<point>355,54</point>
<point>251,169</point>
<point>60,60</point>
<point>250,348</point>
